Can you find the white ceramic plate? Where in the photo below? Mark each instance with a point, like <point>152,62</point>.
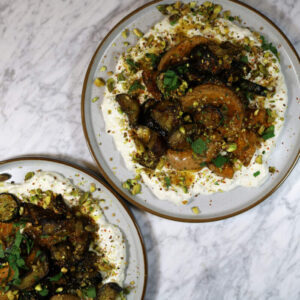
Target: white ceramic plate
<point>115,211</point>
<point>212,207</point>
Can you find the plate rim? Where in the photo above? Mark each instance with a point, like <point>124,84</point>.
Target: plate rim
<point>101,181</point>
<point>115,186</point>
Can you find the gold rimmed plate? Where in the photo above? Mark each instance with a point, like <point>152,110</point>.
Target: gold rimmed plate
<point>114,209</point>
<point>213,207</point>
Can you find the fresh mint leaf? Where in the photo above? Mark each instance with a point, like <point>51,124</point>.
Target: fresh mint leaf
<point>168,182</point>
<point>90,292</point>
<point>132,64</point>
<point>135,86</point>
<point>220,161</point>
<point>268,133</point>
<point>171,80</point>
<point>256,173</point>
<point>268,46</point>
<point>199,146</point>
<point>56,277</point>
<point>153,58</point>
<point>244,59</point>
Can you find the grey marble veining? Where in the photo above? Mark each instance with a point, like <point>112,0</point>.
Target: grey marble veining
<point>45,48</point>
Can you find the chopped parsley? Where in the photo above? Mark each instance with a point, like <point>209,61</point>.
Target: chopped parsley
<point>256,173</point>
<point>135,86</point>
<point>168,182</point>
<point>244,59</point>
<point>199,146</point>
<point>44,292</point>
<point>268,133</point>
<point>220,161</point>
<point>171,80</point>
<point>90,292</point>
<point>173,19</point>
<point>248,48</point>
<point>268,46</point>
<point>56,277</point>
<point>153,58</point>
<point>132,64</point>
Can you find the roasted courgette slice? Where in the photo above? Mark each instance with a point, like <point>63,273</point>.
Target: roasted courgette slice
<point>9,207</point>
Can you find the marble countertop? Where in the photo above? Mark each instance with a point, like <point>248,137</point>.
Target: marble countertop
<point>45,48</point>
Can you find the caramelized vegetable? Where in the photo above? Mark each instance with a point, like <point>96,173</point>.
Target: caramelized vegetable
<point>185,160</point>
<point>64,297</point>
<point>149,79</point>
<point>4,177</point>
<point>39,270</point>
<point>109,291</point>
<point>221,97</point>
<point>9,207</point>
<point>178,140</point>
<point>130,106</point>
<point>246,145</point>
<point>226,171</point>
<point>190,160</point>
<point>180,52</point>
<point>210,116</point>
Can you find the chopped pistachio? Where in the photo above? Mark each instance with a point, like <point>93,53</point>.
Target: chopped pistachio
<point>110,73</point>
<point>226,14</point>
<point>95,99</point>
<point>261,129</point>
<point>193,4</point>
<point>126,44</point>
<point>64,270</point>
<point>110,84</point>
<point>38,288</point>
<point>126,185</point>
<point>59,290</point>
<point>125,33</point>
<point>29,175</point>
<point>272,170</point>
<point>92,187</point>
<point>137,32</point>
<point>182,130</point>
<point>103,68</point>
<point>195,210</point>
<point>99,82</point>
<point>258,159</point>
<point>231,147</point>
<point>136,189</point>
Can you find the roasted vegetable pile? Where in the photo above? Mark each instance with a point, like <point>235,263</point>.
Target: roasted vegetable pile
<point>200,113</point>
<point>45,252</point>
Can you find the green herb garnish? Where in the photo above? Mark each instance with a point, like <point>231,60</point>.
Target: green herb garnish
<point>171,80</point>
<point>268,133</point>
<point>256,173</point>
<point>199,146</point>
<point>153,58</point>
<point>132,64</point>
<point>220,161</point>
<point>268,46</point>
<point>56,277</point>
<point>168,182</point>
<point>135,86</point>
<point>121,77</point>
<point>247,48</point>
<point>244,59</point>
<point>90,292</point>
